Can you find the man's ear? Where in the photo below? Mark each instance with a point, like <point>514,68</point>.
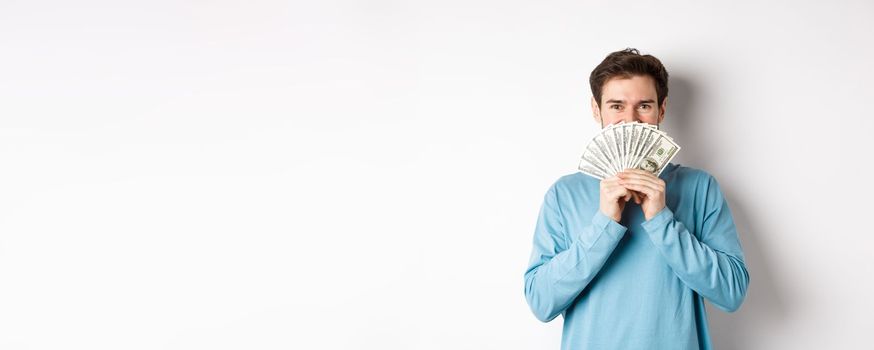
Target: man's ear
<point>662,109</point>
<point>596,112</point>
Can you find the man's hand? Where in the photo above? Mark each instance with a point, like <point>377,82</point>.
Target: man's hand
<point>650,188</point>
<point>613,198</point>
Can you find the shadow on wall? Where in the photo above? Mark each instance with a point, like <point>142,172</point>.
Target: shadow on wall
<point>764,304</point>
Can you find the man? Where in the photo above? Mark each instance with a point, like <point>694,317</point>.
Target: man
<point>629,260</point>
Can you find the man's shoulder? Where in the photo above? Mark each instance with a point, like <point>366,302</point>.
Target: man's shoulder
<point>686,173</point>
<point>574,180</point>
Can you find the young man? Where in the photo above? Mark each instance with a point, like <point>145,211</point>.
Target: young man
<point>628,261</point>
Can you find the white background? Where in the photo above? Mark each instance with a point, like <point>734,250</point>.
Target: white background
<point>367,174</point>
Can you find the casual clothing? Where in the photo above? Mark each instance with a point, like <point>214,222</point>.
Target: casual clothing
<point>635,284</point>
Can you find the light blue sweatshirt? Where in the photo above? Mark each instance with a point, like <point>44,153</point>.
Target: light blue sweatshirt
<point>635,284</point>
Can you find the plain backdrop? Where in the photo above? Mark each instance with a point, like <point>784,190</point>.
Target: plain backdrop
<point>367,174</point>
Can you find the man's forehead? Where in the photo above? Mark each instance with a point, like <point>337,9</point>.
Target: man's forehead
<point>632,89</point>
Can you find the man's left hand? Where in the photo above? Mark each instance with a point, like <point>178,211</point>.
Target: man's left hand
<point>651,188</point>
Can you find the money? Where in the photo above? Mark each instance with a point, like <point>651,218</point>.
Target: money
<point>627,145</point>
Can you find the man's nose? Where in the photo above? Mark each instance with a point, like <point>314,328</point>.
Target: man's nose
<point>633,116</point>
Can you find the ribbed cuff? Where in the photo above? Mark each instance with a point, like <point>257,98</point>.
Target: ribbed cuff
<point>603,223</point>
<point>659,221</point>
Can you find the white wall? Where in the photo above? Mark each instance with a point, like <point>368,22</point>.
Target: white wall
<point>366,175</point>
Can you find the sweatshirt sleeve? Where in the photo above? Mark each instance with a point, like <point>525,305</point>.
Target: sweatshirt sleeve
<point>713,266</point>
<point>559,268</point>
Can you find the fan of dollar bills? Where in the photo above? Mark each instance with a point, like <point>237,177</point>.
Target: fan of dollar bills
<point>627,145</point>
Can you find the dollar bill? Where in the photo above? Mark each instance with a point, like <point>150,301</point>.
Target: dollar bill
<point>627,145</point>
<point>662,151</point>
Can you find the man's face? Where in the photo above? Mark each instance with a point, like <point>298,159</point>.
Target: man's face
<point>629,100</point>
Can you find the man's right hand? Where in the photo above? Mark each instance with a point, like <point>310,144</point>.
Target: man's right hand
<point>613,198</point>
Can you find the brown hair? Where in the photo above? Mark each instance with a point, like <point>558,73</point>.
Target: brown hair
<point>628,63</point>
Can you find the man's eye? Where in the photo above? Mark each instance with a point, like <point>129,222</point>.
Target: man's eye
<point>615,106</point>
<point>645,106</point>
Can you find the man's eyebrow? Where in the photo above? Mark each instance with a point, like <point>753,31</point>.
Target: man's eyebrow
<point>623,101</point>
